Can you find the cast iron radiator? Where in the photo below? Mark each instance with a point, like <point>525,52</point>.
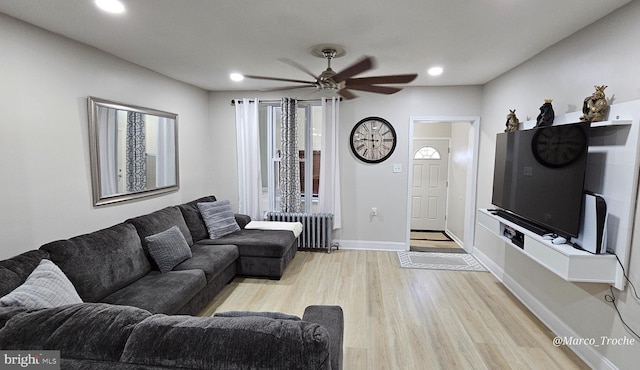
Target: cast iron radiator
<point>317,228</point>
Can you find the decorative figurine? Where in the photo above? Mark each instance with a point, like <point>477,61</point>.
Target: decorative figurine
<point>546,116</point>
<point>512,121</point>
<point>595,107</point>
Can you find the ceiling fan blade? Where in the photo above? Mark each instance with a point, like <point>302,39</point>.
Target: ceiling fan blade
<point>346,94</point>
<point>376,89</point>
<point>289,87</point>
<point>279,79</point>
<point>363,65</point>
<point>391,79</point>
<point>298,66</point>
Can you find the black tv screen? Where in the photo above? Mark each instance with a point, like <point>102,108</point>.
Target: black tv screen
<point>539,175</point>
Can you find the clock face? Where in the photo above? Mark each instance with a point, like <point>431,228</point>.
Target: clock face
<point>559,146</point>
<point>373,140</point>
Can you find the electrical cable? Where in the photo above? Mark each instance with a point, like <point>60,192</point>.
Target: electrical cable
<point>611,298</point>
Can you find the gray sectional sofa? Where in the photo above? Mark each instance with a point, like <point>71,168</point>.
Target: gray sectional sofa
<point>135,316</point>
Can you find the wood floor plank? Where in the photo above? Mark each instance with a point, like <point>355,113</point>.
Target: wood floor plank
<point>398,318</point>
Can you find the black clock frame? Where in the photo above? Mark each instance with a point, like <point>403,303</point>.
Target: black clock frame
<point>386,156</point>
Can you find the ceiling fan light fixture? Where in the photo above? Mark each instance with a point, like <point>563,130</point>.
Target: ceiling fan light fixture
<point>237,77</point>
<point>435,71</point>
<point>332,83</point>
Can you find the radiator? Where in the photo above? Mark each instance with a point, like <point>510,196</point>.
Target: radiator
<point>317,228</point>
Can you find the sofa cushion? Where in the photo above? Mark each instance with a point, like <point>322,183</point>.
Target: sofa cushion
<point>102,262</point>
<point>14,271</point>
<point>219,218</point>
<point>257,243</point>
<point>228,343</point>
<point>193,218</point>
<point>46,287</point>
<point>212,259</point>
<point>160,293</point>
<point>242,220</point>
<point>159,221</point>
<point>168,248</point>
<point>81,331</point>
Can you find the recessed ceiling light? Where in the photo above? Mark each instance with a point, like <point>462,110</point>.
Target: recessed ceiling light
<point>236,77</point>
<point>111,6</point>
<point>435,71</point>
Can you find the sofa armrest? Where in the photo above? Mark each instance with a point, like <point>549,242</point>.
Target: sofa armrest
<point>242,220</point>
<point>332,319</point>
<point>247,342</point>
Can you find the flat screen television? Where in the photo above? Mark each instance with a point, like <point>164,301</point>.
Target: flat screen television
<point>539,175</point>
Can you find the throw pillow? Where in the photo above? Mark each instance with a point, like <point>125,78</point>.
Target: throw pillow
<point>47,286</point>
<point>271,315</point>
<point>168,248</point>
<point>219,218</point>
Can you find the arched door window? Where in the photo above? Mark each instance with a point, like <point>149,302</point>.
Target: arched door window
<point>427,152</point>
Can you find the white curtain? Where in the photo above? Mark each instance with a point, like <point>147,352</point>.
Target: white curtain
<point>248,153</point>
<point>108,130</point>
<point>329,188</point>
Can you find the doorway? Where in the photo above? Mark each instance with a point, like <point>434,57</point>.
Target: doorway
<point>451,208</point>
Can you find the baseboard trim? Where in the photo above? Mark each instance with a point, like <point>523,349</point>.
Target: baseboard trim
<point>588,354</point>
<point>372,245</point>
<point>454,237</point>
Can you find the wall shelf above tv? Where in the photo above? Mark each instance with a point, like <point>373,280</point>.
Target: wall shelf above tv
<point>617,122</point>
<point>569,263</point>
<point>611,123</point>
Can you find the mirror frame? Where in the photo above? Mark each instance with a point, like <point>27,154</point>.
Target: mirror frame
<point>93,105</point>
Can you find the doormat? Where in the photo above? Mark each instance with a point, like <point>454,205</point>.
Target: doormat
<point>439,261</point>
<point>433,242</point>
<point>440,236</point>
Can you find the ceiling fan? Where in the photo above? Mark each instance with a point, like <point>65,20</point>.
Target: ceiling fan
<point>342,82</point>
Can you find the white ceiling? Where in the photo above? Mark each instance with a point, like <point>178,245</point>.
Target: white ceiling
<point>201,41</point>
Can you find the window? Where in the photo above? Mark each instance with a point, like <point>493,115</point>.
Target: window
<point>309,141</point>
<point>427,152</point>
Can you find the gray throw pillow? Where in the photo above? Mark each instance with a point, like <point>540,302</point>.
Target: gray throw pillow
<point>168,248</point>
<point>46,287</point>
<point>219,218</point>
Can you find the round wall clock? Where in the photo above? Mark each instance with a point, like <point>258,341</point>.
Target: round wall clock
<point>560,146</point>
<point>373,140</point>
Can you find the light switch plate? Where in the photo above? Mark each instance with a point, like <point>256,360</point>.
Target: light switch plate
<point>397,168</point>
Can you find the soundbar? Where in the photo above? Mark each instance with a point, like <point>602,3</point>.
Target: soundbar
<point>520,221</point>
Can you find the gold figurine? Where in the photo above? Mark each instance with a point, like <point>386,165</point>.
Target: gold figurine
<point>595,107</point>
<point>512,121</point>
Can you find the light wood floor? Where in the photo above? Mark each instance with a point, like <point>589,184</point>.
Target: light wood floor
<point>407,318</point>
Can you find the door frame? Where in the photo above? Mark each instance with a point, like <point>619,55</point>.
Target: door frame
<point>448,142</point>
<point>472,175</point>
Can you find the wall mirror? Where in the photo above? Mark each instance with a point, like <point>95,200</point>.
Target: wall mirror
<point>134,151</point>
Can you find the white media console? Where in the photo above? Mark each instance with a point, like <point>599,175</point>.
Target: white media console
<point>564,260</point>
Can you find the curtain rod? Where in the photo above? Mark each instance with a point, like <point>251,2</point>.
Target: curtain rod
<point>233,101</point>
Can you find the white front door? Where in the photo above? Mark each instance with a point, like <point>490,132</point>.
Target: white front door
<point>429,191</point>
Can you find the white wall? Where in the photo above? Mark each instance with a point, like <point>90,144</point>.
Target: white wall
<point>44,151</point>
<point>603,53</point>
<point>458,170</point>
<point>364,185</point>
